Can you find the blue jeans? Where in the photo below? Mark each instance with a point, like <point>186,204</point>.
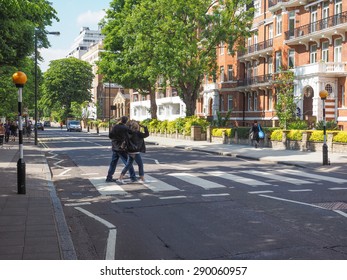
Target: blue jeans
<point>138,159</point>
<point>112,168</point>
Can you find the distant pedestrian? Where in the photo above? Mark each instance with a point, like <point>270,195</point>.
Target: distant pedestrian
<point>61,125</point>
<point>137,138</point>
<point>118,134</point>
<point>255,129</point>
<point>7,131</point>
<point>13,129</point>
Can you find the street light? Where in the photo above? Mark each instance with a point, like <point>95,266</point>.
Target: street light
<point>323,94</point>
<point>36,86</point>
<point>19,79</point>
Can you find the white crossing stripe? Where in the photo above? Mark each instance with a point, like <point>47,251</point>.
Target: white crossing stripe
<point>277,177</point>
<point>192,179</point>
<point>314,176</point>
<point>238,179</point>
<point>107,188</point>
<point>158,186</point>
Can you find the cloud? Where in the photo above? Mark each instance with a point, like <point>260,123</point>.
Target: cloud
<point>90,18</point>
<point>49,55</point>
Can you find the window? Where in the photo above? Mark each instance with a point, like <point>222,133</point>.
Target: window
<point>269,106</point>
<point>338,11</point>
<point>337,50</point>
<point>291,23</point>
<point>255,42</point>
<point>255,101</point>
<point>291,56</point>
<point>222,74</point>
<point>271,31</point>
<point>270,65</point>
<point>343,97</point>
<point>249,101</point>
<point>278,24</point>
<point>230,73</point>
<point>257,8</point>
<point>325,51</point>
<point>230,102</point>
<point>325,14</point>
<point>135,97</point>
<point>221,48</point>
<point>278,62</point>
<point>313,18</point>
<point>313,53</point>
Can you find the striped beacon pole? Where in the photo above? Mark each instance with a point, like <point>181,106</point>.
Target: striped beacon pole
<point>19,79</point>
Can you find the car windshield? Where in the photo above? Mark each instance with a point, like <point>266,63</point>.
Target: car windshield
<point>74,123</point>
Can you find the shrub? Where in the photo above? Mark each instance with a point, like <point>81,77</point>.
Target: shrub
<point>218,132</point>
<point>317,136</point>
<point>340,137</point>
<point>330,125</point>
<point>171,127</point>
<point>295,135</point>
<point>163,126</point>
<point>298,124</point>
<point>276,135</point>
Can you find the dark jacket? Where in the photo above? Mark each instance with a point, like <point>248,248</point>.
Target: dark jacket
<point>117,135</point>
<point>137,137</point>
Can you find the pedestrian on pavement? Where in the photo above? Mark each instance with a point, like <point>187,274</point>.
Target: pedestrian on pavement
<point>118,134</point>
<point>61,125</point>
<point>136,136</point>
<point>13,129</point>
<point>7,131</point>
<point>2,133</point>
<point>255,129</point>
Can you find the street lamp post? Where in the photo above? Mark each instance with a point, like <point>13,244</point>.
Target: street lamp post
<point>323,94</point>
<point>19,79</point>
<point>36,86</point>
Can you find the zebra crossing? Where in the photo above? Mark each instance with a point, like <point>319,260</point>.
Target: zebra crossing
<point>227,180</point>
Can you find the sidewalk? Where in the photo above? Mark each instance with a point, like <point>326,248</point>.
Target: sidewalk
<point>288,157</point>
<point>32,225</point>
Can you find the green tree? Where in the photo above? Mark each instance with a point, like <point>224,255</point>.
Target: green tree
<point>18,21</point>
<point>66,81</point>
<point>285,100</point>
<point>128,59</point>
<point>174,39</point>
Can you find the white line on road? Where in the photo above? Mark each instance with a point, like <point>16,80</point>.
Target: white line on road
<point>302,190</point>
<point>192,179</point>
<point>258,192</point>
<point>292,201</point>
<point>215,194</point>
<point>341,213</point>
<point>337,189</point>
<point>77,204</point>
<point>125,200</point>
<point>112,235</point>
<point>172,197</point>
<point>238,179</point>
<point>313,176</point>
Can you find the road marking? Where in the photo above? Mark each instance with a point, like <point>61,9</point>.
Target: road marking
<point>105,188</point>
<point>341,213</point>
<point>258,192</point>
<point>157,185</point>
<point>125,200</point>
<point>337,189</point>
<point>292,201</point>
<point>63,173</point>
<point>215,194</point>
<point>313,176</point>
<point>172,197</point>
<point>112,235</point>
<point>277,177</point>
<point>192,179</point>
<point>238,179</point>
<point>302,190</point>
<point>88,174</point>
<point>77,204</point>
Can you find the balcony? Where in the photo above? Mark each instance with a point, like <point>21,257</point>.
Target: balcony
<point>328,69</point>
<point>325,28</point>
<point>257,50</point>
<point>275,5</point>
<point>261,81</point>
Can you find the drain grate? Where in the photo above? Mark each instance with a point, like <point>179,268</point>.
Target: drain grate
<point>333,205</point>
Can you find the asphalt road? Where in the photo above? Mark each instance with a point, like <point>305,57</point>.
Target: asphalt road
<point>195,205</point>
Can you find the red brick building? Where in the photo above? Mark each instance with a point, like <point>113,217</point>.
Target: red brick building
<point>308,37</point>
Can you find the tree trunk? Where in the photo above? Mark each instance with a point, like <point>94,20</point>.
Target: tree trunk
<point>153,104</point>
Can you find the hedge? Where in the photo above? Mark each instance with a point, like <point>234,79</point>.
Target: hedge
<point>218,132</point>
<point>340,137</point>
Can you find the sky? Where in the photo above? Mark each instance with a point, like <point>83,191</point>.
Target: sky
<point>73,15</point>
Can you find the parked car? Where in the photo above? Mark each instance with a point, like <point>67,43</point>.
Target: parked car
<point>47,124</point>
<point>74,126</point>
<point>39,125</point>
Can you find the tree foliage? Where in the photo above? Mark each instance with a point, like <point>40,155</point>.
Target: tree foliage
<point>18,20</point>
<point>285,100</point>
<point>176,40</point>
<point>66,81</point>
